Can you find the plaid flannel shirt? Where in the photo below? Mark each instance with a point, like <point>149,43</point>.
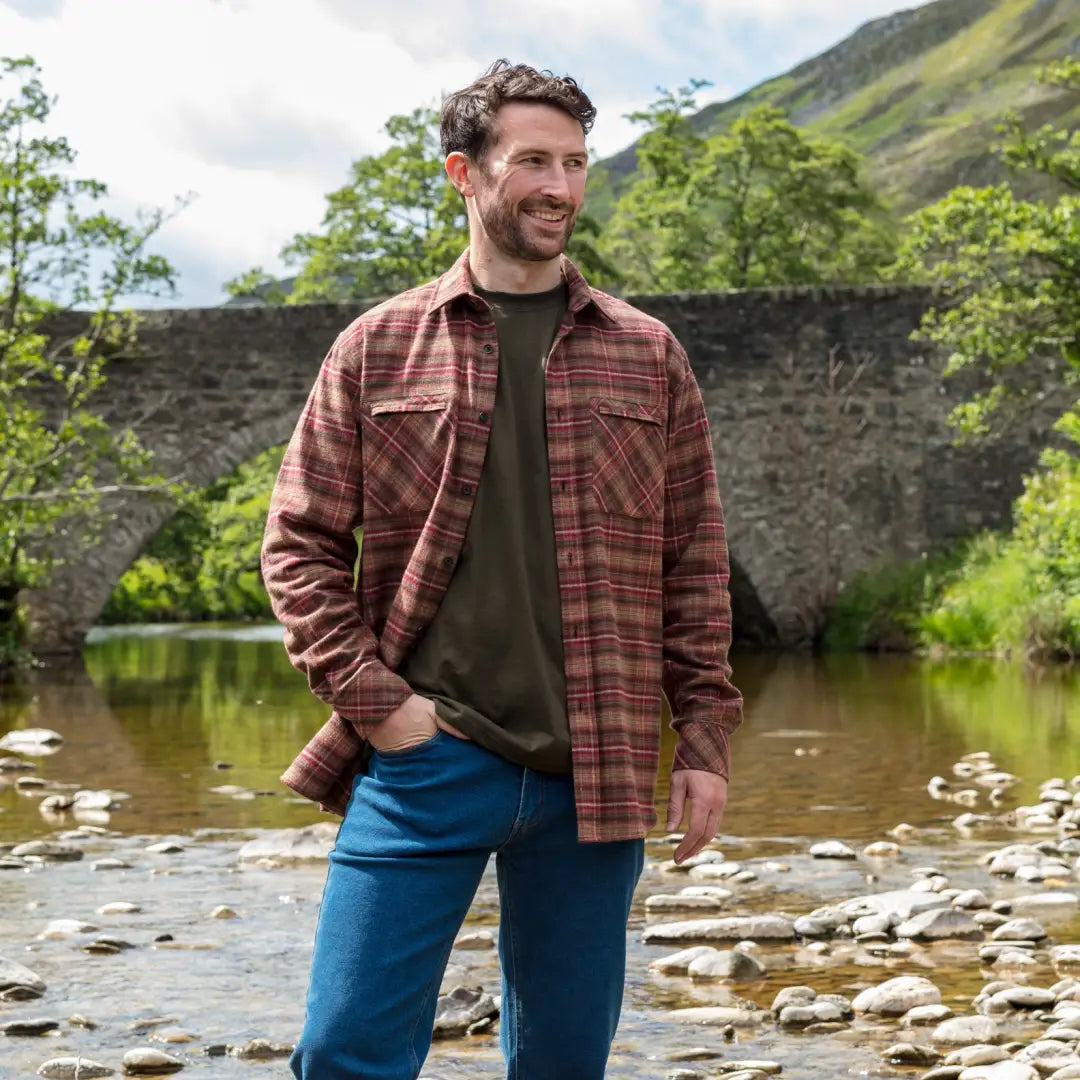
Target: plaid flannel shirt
<point>393,438</point>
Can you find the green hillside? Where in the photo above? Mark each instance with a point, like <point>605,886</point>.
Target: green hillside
<point>918,93</point>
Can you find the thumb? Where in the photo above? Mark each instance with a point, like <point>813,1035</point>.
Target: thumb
<point>676,800</point>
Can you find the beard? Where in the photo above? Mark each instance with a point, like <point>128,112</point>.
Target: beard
<point>507,226</point>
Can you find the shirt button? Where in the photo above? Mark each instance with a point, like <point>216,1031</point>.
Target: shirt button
<point>484,418</point>
<point>489,348</point>
<point>466,489</point>
<point>447,561</point>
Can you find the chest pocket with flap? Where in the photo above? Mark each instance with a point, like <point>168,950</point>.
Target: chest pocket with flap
<point>629,454</point>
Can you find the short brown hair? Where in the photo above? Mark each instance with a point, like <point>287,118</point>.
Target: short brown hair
<point>468,116</point>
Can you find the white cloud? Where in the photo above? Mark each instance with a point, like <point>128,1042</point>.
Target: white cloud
<point>259,106</point>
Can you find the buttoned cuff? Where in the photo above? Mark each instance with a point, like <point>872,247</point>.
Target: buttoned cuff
<point>703,745</point>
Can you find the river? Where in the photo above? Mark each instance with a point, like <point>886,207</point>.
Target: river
<point>838,747</point>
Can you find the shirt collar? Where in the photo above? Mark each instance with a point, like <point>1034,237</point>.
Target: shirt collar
<point>457,282</point>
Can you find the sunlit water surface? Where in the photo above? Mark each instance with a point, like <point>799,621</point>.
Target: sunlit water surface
<point>840,747</point>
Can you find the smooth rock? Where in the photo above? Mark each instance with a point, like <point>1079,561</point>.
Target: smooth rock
<point>1065,955</point>
<point>797,1016</point>
<point>734,928</point>
<point>938,925</point>
<point>1002,1070</point>
<point>110,863</point>
<point>18,983</point>
<point>734,964</point>
<point>1047,905</point>
<point>718,1016</point>
<point>33,1026</point>
<point>925,1015</point>
<point>260,1050</point>
<point>910,1054</point>
<point>873,924</point>
<point>73,1068</point>
<point>1019,930</point>
<point>967,1030</point>
<point>792,995</point>
<point>476,939</point>
<point>46,851</point>
<point>832,849</point>
<point>146,1061</point>
<point>223,911</point>
<point>59,929</point>
<point>769,1068</point>
<point>881,849</point>
<point>165,847</point>
<point>461,1008</point>
<point>683,902</point>
<point>971,900</point>
<point>977,1054</point>
<point>28,740</point>
<point>1048,1055</point>
<point>312,843</point>
<point>896,997</point>
<point>119,907</point>
<point>1021,997</point>
<point>679,963</point>
<point>903,903</point>
<point>15,764</point>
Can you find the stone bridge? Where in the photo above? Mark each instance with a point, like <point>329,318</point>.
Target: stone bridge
<point>828,422</point>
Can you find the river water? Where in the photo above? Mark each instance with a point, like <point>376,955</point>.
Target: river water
<point>832,748</point>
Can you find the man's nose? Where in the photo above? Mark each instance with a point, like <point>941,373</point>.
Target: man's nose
<point>556,184</point>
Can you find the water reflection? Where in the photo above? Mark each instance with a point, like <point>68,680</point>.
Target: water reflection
<point>835,746</point>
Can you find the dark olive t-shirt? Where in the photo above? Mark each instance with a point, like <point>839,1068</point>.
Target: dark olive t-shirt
<point>492,658</point>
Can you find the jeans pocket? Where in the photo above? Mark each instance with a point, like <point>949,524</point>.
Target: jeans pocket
<point>409,751</point>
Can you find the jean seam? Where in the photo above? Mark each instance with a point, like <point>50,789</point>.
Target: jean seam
<point>431,987</point>
<point>512,1065</point>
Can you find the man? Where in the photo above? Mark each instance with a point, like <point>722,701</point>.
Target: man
<point>543,553</point>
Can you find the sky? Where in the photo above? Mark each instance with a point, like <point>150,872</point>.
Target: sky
<point>256,108</point>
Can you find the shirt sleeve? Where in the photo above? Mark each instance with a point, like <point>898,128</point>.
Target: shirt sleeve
<point>705,707</point>
<point>310,550</point>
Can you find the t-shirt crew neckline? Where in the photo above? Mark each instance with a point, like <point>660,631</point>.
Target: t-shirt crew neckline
<point>523,301</point>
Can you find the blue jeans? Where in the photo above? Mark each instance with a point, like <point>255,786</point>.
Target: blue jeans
<point>417,835</point>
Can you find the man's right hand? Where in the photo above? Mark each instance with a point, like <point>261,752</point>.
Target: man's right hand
<point>412,722</point>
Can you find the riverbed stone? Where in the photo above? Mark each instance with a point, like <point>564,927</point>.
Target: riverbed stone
<point>149,1061</point>
<point>1065,955</point>
<point>312,843</point>
<point>684,902</point>
<point>897,996</point>
<point>38,1025</point>
<point>15,764</point>
<point>1019,930</point>
<point>475,939</point>
<point>715,871</point>
<point>1012,959</point>
<point>940,924</point>
<point>971,900</point>
<point>903,903</point>
<point>30,740</point>
<point>832,849</point>
<point>1047,905</point>
<point>1002,1070</point>
<point>977,1054</point>
<point>110,863</point>
<point>718,1016</point>
<point>966,1031</point>
<point>925,1015</point>
<point>679,963</point>
<point>164,847</point>
<point>767,1068</point>
<point>881,849</point>
<point>1048,1055</point>
<point>733,964</point>
<point>792,995</point>
<point>59,929</point>
<point>910,1054</point>
<point>460,1009</point>
<point>73,1068</point>
<point>120,907</point>
<point>796,1016</point>
<point>46,851</point>
<point>733,928</point>
<point>1021,997</point>
<point>19,983</point>
<point>261,1050</point>
<point>873,924</point>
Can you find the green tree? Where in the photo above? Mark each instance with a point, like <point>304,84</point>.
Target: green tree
<point>763,203</point>
<point>58,459</point>
<point>1009,272</point>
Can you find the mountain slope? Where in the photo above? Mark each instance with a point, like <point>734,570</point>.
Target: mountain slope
<point>918,93</point>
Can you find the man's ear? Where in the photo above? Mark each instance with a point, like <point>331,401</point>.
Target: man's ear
<point>460,169</point>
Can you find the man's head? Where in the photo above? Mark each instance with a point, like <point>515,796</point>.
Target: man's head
<point>515,149</point>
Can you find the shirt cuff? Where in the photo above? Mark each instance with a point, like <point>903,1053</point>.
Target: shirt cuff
<point>703,745</point>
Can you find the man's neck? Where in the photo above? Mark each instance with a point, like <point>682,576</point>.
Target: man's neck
<point>495,272</point>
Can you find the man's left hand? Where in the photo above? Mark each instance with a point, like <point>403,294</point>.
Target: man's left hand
<point>707,793</point>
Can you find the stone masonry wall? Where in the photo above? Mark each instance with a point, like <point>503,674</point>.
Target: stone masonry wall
<point>829,426</point>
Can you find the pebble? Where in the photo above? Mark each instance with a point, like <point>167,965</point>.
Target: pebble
<point>46,851</point>
<point>735,928</point>
<point>477,939</point>
<point>897,996</point>
<point>966,1030</point>
<point>910,1054</point>
<point>940,924</point>
<point>1003,1070</point>
<point>694,1053</point>
<point>1019,930</point>
<point>679,963</point>
<point>119,907</point>
<point>971,900</point>
<point>734,964</point>
<point>110,863</point>
<point>34,1026</point>
<point>223,911</point>
<point>684,902</point>
<point>18,983</point>
<point>27,740</point>
<point>832,849</point>
<point>73,1068</point>
<point>165,847</point>
<point>59,929</point>
<point>925,1015</point>
<point>146,1061</point>
<point>461,1008</point>
<point>881,849</point>
<point>260,1050</point>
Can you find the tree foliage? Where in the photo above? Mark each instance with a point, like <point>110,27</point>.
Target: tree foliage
<point>1009,271</point>
<point>763,203</point>
<point>58,250</point>
<point>396,223</point>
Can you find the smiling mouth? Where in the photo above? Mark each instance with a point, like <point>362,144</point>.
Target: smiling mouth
<point>555,217</point>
